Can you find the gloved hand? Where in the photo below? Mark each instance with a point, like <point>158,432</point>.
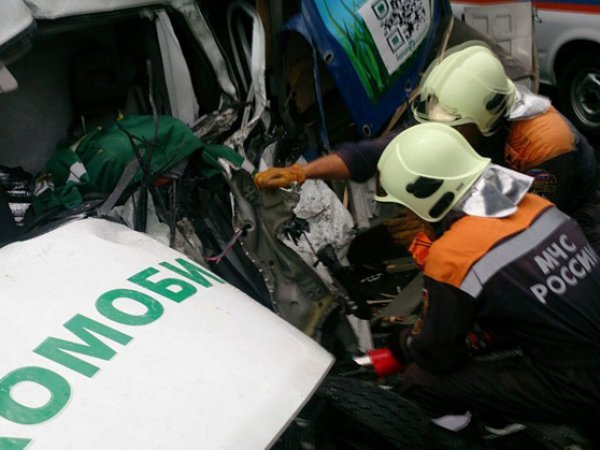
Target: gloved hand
<point>405,227</point>
<point>280,177</point>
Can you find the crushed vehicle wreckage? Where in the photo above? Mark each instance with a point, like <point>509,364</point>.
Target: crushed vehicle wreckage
<point>137,251</point>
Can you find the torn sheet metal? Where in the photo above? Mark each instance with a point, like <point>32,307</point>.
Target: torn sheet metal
<point>177,75</point>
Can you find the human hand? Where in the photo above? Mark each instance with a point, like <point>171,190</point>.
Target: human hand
<point>280,177</point>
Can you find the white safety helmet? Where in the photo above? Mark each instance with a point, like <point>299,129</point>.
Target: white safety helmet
<point>468,85</point>
<point>429,168</point>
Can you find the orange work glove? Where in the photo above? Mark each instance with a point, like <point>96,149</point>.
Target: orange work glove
<point>405,227</point>
<point>280,177</point>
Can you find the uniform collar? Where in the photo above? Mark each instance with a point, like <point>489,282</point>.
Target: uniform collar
<point>527,104</point>
<point>497,193</point>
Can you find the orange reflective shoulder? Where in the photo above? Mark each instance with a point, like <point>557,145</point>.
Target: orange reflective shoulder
<point>468,239</point>
<point>534,141</point>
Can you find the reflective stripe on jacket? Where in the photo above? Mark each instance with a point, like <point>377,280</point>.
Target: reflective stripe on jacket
<point>531,279</point>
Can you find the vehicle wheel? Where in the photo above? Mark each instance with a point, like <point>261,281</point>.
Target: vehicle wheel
<point>358,408</point>
<point>351,414</point>
<point>579,91</point>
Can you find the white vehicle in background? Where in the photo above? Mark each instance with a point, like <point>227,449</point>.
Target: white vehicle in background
<point>568,41</point>
<point>567,36</point>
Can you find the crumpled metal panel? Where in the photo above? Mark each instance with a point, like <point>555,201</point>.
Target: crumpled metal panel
<point>330,223</point>
<point>297,293</point>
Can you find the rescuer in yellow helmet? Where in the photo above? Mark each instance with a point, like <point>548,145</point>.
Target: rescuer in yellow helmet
<point>468,89</point>
<point>506,270</point>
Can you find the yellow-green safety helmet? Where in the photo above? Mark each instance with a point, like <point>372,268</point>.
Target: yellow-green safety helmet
<point>429,168</point>
<point>468,85</point>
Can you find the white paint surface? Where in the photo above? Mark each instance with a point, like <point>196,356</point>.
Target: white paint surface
<point>216,371</point>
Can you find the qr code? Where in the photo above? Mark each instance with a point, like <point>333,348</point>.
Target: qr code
<point>400,20</point>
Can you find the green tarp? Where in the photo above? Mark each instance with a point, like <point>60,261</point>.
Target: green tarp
<point>94,164</point>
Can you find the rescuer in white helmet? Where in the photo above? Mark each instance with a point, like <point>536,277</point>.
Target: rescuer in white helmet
<point>468,89</point>
<point>506,269</point>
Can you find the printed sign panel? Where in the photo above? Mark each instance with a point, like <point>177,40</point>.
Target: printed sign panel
<point>377,37</point>
<point>397,28</point>
<point>112,340</point>
<point>375,50</point>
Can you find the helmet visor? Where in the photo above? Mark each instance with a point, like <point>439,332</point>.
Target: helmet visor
<point>430,110</point>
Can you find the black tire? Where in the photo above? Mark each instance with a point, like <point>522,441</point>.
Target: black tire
<point>579,92</point>
<point>356,409</point>
<point>351,414</point>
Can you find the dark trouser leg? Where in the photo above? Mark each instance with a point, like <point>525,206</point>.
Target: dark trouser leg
<point>514,388</point>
